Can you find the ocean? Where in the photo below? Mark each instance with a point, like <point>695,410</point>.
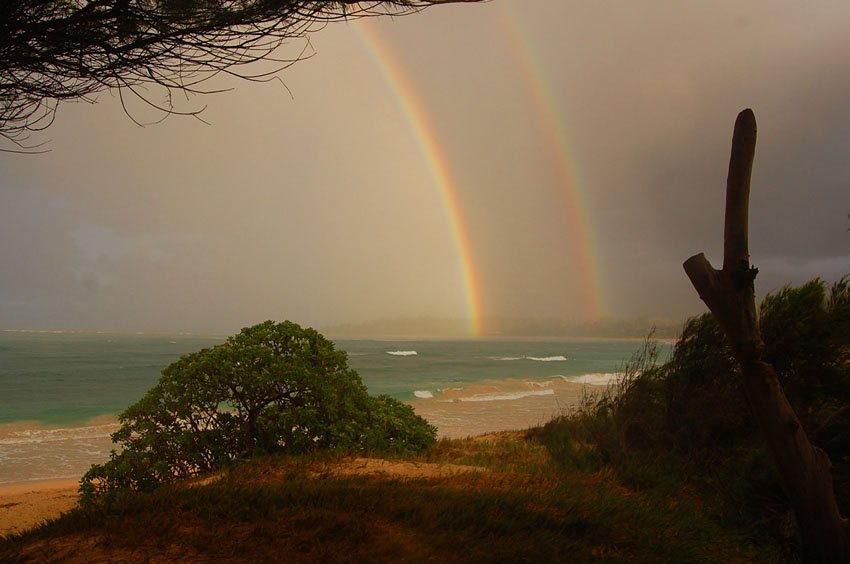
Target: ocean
<point>60,392</point>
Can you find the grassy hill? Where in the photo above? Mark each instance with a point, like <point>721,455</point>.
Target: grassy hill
<point>497,498</point>
<point>668,465</point>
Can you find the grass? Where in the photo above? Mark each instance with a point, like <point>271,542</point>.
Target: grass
<point>522,505</point>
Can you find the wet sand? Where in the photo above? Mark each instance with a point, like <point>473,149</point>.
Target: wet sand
<point>472,411</point>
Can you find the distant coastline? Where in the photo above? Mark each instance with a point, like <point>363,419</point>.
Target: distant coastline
<point>507,328</point>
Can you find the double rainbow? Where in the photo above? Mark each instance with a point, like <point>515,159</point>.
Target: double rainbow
<point>558,155</point>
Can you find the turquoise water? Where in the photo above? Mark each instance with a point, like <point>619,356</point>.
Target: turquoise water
<point>61,378</point>
<point>60,392</point>
<point>388,367</point>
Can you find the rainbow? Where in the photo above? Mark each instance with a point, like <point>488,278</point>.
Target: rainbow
<point>558,153</point>
<point>417,116</point>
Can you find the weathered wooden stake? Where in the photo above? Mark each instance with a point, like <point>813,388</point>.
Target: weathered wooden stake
<point>730,295</point>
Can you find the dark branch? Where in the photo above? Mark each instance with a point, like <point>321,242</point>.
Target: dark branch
<point>57,50</point>
<point>736,254</point>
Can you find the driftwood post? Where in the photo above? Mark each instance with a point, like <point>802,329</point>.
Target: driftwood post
<point>729,294</point>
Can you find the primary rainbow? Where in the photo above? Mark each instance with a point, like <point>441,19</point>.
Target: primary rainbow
<point>417,116</point>
<point>558,152</point>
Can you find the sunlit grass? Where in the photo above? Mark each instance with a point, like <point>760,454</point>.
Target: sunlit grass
<point>521,505</point>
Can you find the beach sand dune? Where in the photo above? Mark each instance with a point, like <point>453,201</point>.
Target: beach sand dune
<point>457,414</point>
<point>25,505</point>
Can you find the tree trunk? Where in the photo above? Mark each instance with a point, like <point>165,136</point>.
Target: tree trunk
<point>729,294</point>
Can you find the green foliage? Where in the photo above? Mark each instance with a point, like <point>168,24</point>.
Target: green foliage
<point>690,414</point>
<point>807,335</point>
<point>704,406</point>
<point>806,331</point>
<point>394,427</point>
<point>270,388</point>
<point>607,426</point>
<point>300,509</point>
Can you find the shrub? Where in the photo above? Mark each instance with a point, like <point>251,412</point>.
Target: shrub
<point>270,388</point>
<point>806,332</point>
<point>394,427</point>
<point>703,400</point>
<point>610,425</point>
<point>689,418</point>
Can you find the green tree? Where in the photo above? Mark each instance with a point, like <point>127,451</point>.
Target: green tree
<point>273,387</point>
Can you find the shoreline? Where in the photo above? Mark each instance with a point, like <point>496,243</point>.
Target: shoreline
<point>457,415</point>
<point>25,504</point>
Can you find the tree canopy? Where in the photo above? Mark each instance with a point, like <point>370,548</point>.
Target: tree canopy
<point>273,387</point>
<point>55,50</point>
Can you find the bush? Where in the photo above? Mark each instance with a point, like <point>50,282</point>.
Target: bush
<point>693,407</point>
<point>609,426</point>
<point>270,388</point>
<point>394,427</point>
<point>806,332</point>
<point>703,399</point>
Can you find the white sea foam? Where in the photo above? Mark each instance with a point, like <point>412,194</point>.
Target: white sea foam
<point>598,378</point>
<point>546,383</point>
<point>38,453</point>
<point>402,353</point>
<point>424,394</point>
<point>557,358</point>
<point>38,436</point>
<point>506,395</point>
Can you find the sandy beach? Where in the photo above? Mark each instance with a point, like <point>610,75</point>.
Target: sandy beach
<point>24,505</point>
<point>457,414</point>
<point>473,410</point>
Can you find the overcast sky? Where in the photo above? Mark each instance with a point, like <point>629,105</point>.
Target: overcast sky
<point>320,206</point>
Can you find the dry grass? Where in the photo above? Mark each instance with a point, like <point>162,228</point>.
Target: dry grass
<point>499,498</point>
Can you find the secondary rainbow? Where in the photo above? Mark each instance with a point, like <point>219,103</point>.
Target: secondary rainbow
<point>558,153</point>
<point>409,102</point>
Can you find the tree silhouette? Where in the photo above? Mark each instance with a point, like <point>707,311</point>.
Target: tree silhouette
<point>729,293</point>
<point>56,50</point>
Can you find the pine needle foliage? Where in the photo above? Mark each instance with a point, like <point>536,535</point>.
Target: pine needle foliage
<point>56,50</point>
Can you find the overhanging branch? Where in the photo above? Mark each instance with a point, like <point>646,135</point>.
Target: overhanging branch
<point>55,50</point>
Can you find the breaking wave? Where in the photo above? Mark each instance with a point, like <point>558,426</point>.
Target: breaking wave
<point>42,435</point>
<point>506,395</point>
<point>556,358</point>
<point>598,379</point>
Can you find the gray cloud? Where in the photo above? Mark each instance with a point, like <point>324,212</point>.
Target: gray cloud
<point>321,207</point>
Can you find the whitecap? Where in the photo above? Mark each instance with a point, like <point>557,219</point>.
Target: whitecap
<point>557,358</point>
<point>597,378</point>
<point>39,436</point>
<point>402,353</point>
<point>506,358</point>
<point>506,396</point>
<point>423,394</point>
